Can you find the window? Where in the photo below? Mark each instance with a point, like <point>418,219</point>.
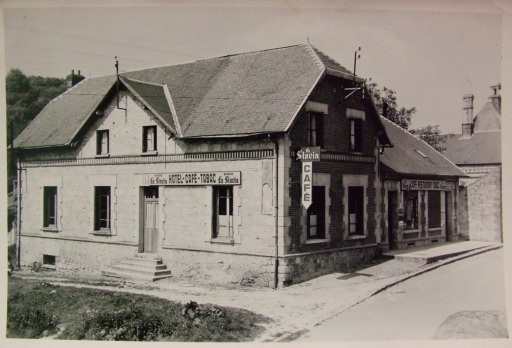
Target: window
<point>102,142</point>
<point>223,212</point>
<point>434,209</point>
<point>48,260</point>
<point>102,208</point>
<point>316,214</point>
<point>356,210</point>
<point>149,139</point>
<point>356,126</point>
<point>316,129</point>
<point>50,206</point>
<point>411,210</point>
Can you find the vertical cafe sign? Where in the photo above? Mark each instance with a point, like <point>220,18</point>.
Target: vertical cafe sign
<point>308,155</point>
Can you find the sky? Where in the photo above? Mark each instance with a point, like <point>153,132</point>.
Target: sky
<point>430,56</point>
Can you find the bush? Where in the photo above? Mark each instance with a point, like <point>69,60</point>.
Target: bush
<point>124,325</point>
<point>30,321</point>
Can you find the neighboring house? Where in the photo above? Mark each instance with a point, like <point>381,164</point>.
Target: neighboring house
<point>477,151</point>
<point>421,188</point>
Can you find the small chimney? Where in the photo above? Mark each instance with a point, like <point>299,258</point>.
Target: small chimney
<point>73,79</point>
<point>496,96</point>
<point>467,121</point>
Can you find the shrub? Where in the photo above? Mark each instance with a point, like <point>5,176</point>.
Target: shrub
<point>30,320</point>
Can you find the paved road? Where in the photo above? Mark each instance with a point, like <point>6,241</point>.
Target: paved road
<point>414,309</point>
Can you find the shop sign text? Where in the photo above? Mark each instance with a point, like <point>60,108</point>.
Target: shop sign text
<point>408,184</point>
<point>307,184</point>
<point>193,178</point>
<point>309,154</point>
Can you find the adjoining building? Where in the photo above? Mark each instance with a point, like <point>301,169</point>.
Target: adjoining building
<point>195,170</point>
<point>477,151</point>
<point>420,188</point>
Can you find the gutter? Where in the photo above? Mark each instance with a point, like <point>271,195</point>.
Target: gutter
<point>276,211</point>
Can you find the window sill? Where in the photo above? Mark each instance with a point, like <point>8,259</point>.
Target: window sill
<point>222,241</point>
<point>356,236</point>
<point>149,153</point>
<point>49,267</point>
<point>103,155</point>
<point>412,231</point>
<point>49,229</point>
<point>102,233</point>
<point>316,241</point>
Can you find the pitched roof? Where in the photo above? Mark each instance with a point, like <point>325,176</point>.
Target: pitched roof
<point>65,115</point>
<point>481,148</point>
<point>247,93</point>
<point>235,95</point>
<point>411,155</point>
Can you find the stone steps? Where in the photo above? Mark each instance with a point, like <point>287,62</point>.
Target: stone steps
<point>141,267</point>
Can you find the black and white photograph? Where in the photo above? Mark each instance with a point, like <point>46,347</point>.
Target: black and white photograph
<point>257,172</point>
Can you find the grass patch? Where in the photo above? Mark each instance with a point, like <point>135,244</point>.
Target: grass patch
<point>35,309</point>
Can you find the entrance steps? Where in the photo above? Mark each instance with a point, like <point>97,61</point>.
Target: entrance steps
<point>142,266</point>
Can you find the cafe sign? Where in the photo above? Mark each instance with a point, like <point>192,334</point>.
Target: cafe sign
<point>193,178</point>
<point>308,155</point>
<point>408,184</point>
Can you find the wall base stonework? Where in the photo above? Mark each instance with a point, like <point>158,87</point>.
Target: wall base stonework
<point>72,255</point>
<point>299,268</point>
<point>220,268</point>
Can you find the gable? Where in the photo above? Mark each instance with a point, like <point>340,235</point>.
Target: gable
<point>125,129</point>
<point>58,123</point>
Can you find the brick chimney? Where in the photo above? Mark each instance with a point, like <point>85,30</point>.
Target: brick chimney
<point>467,121</point>
<point>496,96</point>
<point>73,78</point>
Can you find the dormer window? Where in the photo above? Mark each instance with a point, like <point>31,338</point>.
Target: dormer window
<point>102,145</point>
<point>316,129</point>
<point>356,119</point>
<point>149,139</point>
<point>356,128</point>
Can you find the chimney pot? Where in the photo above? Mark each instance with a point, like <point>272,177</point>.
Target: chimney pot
<point>72,72</point>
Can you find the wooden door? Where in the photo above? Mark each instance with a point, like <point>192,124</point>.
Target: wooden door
<point>151,219</point>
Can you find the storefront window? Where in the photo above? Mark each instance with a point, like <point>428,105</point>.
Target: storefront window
<point>434,209</point>
<point>410,210</point>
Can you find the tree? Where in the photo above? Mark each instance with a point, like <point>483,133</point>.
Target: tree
<point>432,135</point>
<point>386,103</point>
<point>26,97</point>
<point>385,100</point>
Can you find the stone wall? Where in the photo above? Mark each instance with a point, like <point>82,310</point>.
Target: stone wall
<point>298,268</point>
<point>485,209</point>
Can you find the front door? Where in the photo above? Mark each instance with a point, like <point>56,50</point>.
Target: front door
<point>150,219</point>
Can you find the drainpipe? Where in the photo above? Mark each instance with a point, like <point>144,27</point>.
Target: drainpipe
<point>18,213</point>
<point>276,211</point>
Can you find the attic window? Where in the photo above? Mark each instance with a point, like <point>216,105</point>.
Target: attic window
<point>421,154</point>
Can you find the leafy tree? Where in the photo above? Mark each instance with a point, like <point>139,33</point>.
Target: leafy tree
<point>386,102</point>
<point>432,135</point>
<point>26,96</point>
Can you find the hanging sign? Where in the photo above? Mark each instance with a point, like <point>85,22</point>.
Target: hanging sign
<point>308,155</point>
<point>193,178</point>
<point>408,184</point>
<point>307,184</point>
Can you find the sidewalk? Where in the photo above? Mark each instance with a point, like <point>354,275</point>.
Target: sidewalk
<point>296,308</point>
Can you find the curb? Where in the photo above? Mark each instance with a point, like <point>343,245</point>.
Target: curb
<point>430,266</point>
